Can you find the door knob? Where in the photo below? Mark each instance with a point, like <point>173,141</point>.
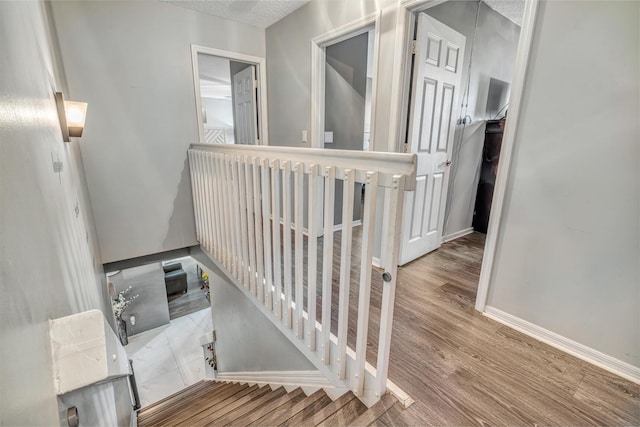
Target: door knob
<point>448,163</point>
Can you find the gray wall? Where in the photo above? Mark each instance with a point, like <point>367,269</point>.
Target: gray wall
<point>494,53</point>
<point>49,261</point>
<point>131,61</point>
<point>345,94</point>
<point>150,308</point>
<point>289,65</point>
<point>569,241</point>
<point>246,340</point>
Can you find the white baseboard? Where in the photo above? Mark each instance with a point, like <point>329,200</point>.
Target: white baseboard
<point>457,234</point>
<point>296,378</point>
<point>581,351</point>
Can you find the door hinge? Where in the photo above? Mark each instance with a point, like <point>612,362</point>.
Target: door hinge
<point>414,47</point>
<point>406,147</point>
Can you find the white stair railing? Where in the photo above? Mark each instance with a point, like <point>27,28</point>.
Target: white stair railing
<point>255,207</point>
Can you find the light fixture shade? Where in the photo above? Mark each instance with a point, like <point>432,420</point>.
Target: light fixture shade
<point>75,113</point>
<point>71,115</point>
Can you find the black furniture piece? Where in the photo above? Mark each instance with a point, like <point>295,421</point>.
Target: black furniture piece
<point>175,278</point>
<point>490,156</point>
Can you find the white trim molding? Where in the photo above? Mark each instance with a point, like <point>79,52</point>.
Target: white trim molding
<point>457,235</point>
<point>295,378</point>
<point>261,76</point>
<point>508,142</point>
<point>581,351</point>
<point>318,59</point>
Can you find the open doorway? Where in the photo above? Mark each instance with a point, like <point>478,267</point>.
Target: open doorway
<point>230,98</point>
<point>343,96</point>
<point>452,122</point>
<point>162,309</point>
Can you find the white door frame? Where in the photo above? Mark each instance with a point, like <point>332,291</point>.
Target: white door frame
<point>397,127</point>
<point>318,58</point>
<point>261,76</point>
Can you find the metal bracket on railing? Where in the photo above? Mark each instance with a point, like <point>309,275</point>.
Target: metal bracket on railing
<point>386,276</point>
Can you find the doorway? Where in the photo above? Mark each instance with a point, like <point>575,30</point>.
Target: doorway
<point>343,96</point>
<point>495,46</point>
<point>230,97</point>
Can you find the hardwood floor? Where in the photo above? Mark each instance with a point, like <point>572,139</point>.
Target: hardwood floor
<point>195,299</point>
<point>217,404</point>
<point>460,367</point>
<point>465,369</point>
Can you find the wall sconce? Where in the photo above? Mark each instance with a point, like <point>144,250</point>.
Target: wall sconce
<point>72,116</point>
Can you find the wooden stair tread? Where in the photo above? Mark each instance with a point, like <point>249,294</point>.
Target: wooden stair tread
<point>315,416</point>
<point>179,398</point>
<point>240,411</point>
<point>177,395</point>
<point>149,418</point>
<point>213,414</point>
<point>205,409</point>
<point>376,411</point>
<point>205,398</point>
<point>388,419</point>
<point>283,401</point>
<point>180,403</point>
<point>241,405</point>
<point>285,412</point>
<point>345,415</point>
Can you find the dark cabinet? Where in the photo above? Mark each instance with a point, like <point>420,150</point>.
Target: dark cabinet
<point>488,170</point>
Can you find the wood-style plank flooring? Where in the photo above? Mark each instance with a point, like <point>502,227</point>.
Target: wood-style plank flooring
<point>217,404</point>
<point>192,301</point>
<point>460,367</point>
<point>465,369</point>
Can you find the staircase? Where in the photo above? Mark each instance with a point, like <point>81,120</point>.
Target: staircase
<point>216,403</point>
<point>266,218</point>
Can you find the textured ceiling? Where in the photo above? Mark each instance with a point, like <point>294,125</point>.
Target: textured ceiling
<point>511,9</point>
<point>260,13</point>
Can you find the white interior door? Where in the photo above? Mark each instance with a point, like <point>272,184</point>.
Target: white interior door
<point>244,104</point>
<point>435,105</point>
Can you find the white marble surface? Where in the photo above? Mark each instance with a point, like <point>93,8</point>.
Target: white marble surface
<point>169,358</point>
<point>85,350</point>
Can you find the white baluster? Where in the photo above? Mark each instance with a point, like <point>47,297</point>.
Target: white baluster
<point>242,190</point>
<point>286,236</point>
<point>327,258</point>
<point>235,188</point>
<point>194,188</point>
<point>312,254</point>
<point>266,231</point>
<point>345,269</point>
<point>364,295</point>
<point>394,198</point>
<point>257,211</point>
<point>226,215</point>
<point>208,200</point>
<point>277,249</point>
<point>299,251</point>
<point>250,194</point>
